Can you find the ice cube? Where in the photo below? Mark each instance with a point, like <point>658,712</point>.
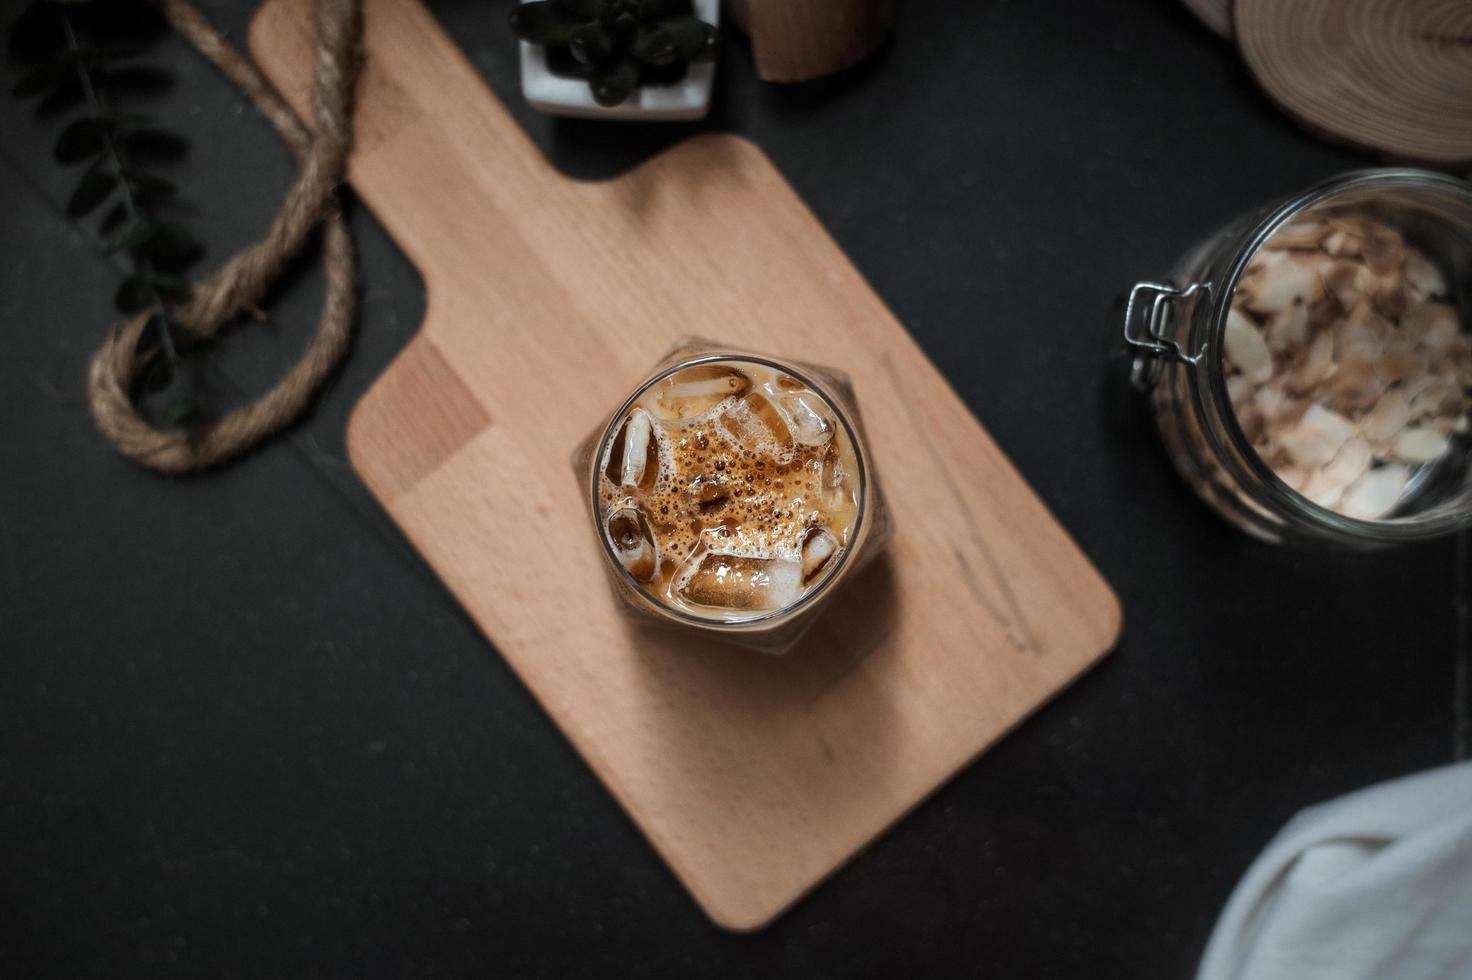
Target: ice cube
<point>741,583</point>
<point>808,419</point>
<point>818,548</point>
<point>755,424</point>
<point>633,458</point>
<point>771,418</point>
<point>633,542</point>
<point>833,475</point>
<point>696,390</point>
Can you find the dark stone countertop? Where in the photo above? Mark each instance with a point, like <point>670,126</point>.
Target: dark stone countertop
<point>244,731</point>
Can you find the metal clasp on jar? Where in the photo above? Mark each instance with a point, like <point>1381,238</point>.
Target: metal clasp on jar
<point>1149,320</point>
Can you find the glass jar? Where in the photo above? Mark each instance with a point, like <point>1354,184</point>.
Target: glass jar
<point>771,631</point>
<point>1176,331</point>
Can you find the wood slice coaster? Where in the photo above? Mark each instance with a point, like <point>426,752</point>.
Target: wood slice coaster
<point>753,776</point>
<point>1393,75</point>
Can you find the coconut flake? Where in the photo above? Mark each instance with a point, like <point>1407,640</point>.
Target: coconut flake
<point>1246,348</point>
<point>1375,494</point>
<point>1317,437</point>
<point>1419,444</point>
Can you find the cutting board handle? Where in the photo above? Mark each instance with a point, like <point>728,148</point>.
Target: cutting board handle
<point>402,137</point>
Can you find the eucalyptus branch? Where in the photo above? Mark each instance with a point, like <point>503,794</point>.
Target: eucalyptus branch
<point>125,185</point>
<point>81,56</point>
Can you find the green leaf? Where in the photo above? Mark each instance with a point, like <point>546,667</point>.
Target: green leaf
<point>543,22</point>
<point>612,86</point>
<point>134,295</point>
<point>153,336</point>
<point>591,45</point>
<point>625,25</point>
<point>656,47</point>
<point>655,10</point>
<point>92,191</point>
<point>150,186</point>
<point>149,341</point>
<point>180,410</point>
<point>157,372</point>
<point>82,139</point>
<point>172,288</point>
<point>65,96</point>
<point>153,144</point>
<point>45,77</point>
<point>157,368</point>
<point>116,215</point>
<point>561,63</point>
<point>170,248</point>
<point>169,386</point>
<point>695,40</point>
<point>710,44</point>
<point>133,236</point>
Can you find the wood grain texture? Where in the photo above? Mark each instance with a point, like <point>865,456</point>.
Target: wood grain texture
<point>1392,75</point>
<point>799,40</point>
<point>753,776</point>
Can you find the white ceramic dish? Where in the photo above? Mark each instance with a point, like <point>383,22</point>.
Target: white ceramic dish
<point>557,96</point>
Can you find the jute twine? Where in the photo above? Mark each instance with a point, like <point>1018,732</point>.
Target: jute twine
<point>321,153</point>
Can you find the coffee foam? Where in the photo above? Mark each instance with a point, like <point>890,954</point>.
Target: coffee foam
<point>731,484</point>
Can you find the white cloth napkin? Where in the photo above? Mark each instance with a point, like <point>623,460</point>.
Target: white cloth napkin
<point>1376,884</point>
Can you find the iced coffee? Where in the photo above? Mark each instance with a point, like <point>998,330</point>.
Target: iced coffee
<point>729,489</point>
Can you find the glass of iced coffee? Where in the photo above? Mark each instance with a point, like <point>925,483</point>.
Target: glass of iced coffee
<point>731,494</point>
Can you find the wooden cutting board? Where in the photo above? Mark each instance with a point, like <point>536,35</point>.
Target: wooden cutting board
<point>754,777</point>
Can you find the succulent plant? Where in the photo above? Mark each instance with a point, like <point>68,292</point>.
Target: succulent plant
<point>617,45</point>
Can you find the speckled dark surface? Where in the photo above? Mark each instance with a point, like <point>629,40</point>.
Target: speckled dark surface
<point>244,732</point>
